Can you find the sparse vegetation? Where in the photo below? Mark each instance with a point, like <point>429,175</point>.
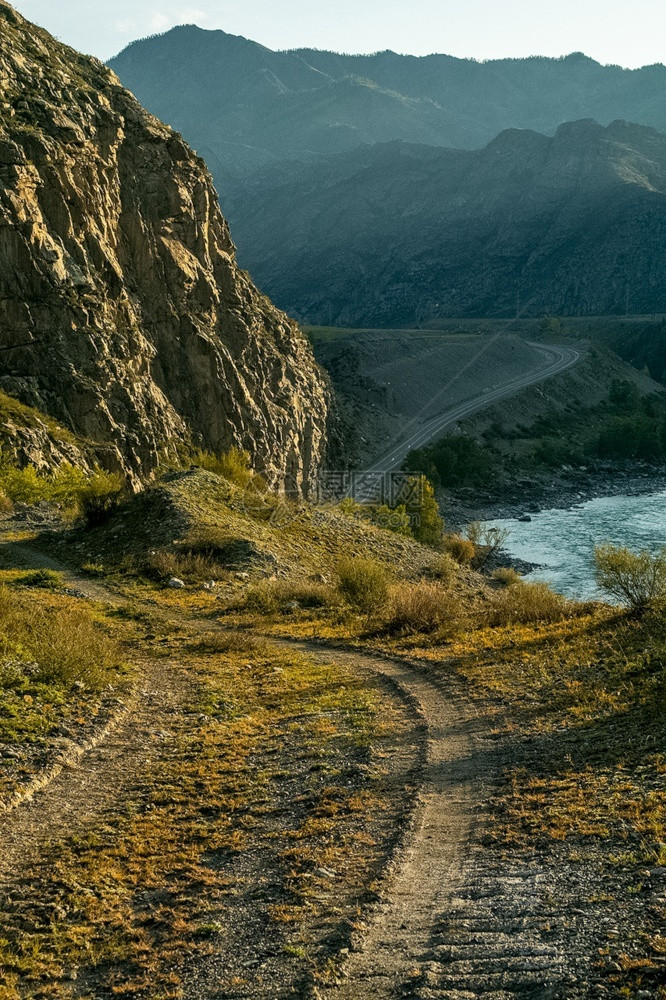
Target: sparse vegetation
<point>364,584</point>
<point>637,579</point>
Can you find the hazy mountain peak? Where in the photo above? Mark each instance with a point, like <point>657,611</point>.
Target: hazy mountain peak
<point>244,106</point>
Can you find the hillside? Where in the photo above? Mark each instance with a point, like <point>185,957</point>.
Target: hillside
<point>244,106</point>
<point>252,784</point>
<point>123,312</point>
<point>400,234</point>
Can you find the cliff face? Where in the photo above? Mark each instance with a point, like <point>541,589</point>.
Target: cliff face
<point>123,313</point>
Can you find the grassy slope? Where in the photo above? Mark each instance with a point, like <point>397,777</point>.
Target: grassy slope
<point>578,706</point>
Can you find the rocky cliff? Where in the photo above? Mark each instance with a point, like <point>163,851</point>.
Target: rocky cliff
<point>123,312</point>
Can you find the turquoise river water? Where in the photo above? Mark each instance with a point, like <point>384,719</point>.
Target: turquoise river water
<point>562,542</point>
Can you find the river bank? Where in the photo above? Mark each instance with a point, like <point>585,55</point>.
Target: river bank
<point>557,545</point>
<point>562,489</point>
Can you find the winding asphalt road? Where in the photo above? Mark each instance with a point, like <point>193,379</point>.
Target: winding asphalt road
<point>556,360</point>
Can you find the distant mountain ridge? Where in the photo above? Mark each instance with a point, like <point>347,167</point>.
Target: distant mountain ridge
<point>244,106</point>
<point>573,224</point>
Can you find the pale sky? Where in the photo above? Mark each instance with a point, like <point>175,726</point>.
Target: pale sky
<point>627,32</point>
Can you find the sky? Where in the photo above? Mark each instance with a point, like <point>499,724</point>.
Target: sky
<point>629,33</point>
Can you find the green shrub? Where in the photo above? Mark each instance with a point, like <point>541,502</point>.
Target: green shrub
<point>459,548</point>
<point>6,505</point>
<point>637,579</point>
<point>506,576</point>
<point>394,519</point>
<point>443,569</point>
<point>419,608</point>
<point>47,579</point>
<point>101,497</point>
<point>72,488</point>
<point>528,604</point>
<point>364,584</point>
<point>428,525</point>
<point>233,465</point>
<point>93,569</point>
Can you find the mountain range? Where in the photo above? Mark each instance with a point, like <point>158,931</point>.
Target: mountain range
<point>390,190</point>
<point>242,105</point>
<point>573,224</point>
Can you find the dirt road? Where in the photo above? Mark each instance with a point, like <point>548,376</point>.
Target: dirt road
<point>454,920</point>
<point>417,434</point>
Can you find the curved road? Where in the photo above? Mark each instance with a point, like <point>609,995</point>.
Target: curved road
<point>556,360</point>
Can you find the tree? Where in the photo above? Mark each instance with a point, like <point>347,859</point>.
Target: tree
<point>428,525</point>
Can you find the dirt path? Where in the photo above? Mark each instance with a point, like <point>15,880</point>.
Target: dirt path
<point>427,872</point>
<point>458,920</point>
<point>80,795</point>
<point>455,920</point>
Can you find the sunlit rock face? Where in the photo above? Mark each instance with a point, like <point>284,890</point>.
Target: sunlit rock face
<point>123,312</point>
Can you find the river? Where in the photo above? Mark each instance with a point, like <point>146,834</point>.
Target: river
<point>562,542</point>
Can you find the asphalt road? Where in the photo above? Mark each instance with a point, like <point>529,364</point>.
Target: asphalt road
<point>556,360</point>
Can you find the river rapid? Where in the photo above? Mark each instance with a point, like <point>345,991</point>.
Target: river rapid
<point>561,542</point>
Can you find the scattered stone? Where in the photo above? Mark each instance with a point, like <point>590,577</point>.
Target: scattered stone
<point>175,584</point>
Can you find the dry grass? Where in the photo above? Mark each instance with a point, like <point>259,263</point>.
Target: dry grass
<point>163,564</point>
<point>275,596</point>
<point>54,644</point>
<point>528,603</point>
<point>421,608</point>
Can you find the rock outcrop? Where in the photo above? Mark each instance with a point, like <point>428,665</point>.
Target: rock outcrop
<point>123,312</point>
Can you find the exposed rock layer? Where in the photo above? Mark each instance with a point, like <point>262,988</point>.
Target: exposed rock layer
<point>123,312</point>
